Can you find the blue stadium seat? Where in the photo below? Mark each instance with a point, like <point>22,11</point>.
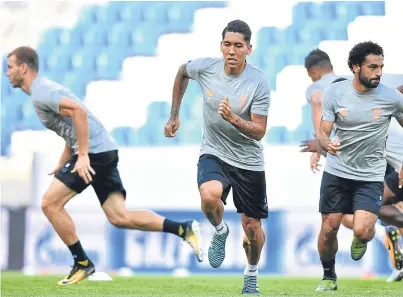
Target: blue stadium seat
<point>94,35</point>
<point>303,132</point>
<point>124,136</point>
<point>105,14</point>
<point>152,134</point>
<point>84,59</point>
<point>118,35</point>
<point>311,34</point>
<point>71,39</point>
<point>268,36</point>
<point>279,135</point>
<point>132,14</point>
<point>6,87</point>
<point>77,82</point>
<point>371,7</point>
<point>297,54</point>
<point>59,60</point>
<point>305,11</point>
<point>158,110</point>
<point>54,75</point>
<point>144,40</point>
<point>346,11</point>
<point>108,63</point>
<point>5,141</point>
<point>211,4</point>
<point>155,13</point>
<point>180,17</point>
<point>51,36</point>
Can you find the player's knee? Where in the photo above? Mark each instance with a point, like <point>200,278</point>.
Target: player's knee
<point>251,227</point>
<point>48,206</point>
<point>347,221</point>
<point>364,233</point>
<point>118,219</point>
<point>210,192</point>
<point>330,227</point>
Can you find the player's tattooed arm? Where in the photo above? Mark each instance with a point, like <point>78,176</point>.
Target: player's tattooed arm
<point>256,128</point>
<point>179,89</point>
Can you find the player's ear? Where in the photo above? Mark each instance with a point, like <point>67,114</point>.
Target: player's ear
<point>356,68</point>
<point>249,49</point>
<point>221,47</point>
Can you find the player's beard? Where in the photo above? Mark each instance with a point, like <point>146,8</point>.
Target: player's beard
<point>17,81</point>
<point>366,82</point>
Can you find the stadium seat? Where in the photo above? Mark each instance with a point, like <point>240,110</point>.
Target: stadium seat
<point>94,36</point>
<point>278,135</point>
<point>58,61</point>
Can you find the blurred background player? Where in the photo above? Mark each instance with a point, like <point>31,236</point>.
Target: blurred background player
<point>90,157</point>
<point>355,164</point>
<point>320,70</point>
<point>235,106</point>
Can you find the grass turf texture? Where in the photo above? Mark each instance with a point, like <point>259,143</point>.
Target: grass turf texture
<point>16,284</point>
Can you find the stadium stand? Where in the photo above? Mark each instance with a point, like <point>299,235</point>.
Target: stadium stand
<point>121,58</point>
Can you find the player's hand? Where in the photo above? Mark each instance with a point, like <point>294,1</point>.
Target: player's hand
<point>315,158</point>
<point>224,109</point>
<point>333,147</point>
<point>83,168</point>
<point>311,146</point>
<point>401,178</point>
<point>171,127</point>
<point>56,170</point>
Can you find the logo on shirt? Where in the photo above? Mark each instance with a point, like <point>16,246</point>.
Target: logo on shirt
<point>343,112</point>
<point>376,114</point>
<point>210,94</point>
<point>242,100</point>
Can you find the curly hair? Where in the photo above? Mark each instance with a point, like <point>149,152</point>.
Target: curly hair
<point>238,26</point>
<point>361,50</point>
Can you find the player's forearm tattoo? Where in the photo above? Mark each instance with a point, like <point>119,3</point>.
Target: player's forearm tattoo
<point>248,128</point>
<point>180,85</point>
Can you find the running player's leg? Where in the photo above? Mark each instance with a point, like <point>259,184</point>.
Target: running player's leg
<point>253,243</point>
<point>111,194</point>
<point>146,220</point>
<point>333,203</point>
<point>367,203</point>
<point>249,192</point>
<point>64,187</point>
<point>214,187</point>
<point>391,214</point>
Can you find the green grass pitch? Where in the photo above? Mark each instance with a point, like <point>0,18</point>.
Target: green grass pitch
<point>16,284</point>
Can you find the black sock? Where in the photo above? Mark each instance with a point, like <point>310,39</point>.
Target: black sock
<point>78,253</point>
<point>177,228</point>
<point>328,269</point>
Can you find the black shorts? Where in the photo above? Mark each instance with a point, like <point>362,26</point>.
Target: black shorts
<point>248,187</point>
<point>341,195</point>
<point>105,181</point>
<point>392,181</point>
